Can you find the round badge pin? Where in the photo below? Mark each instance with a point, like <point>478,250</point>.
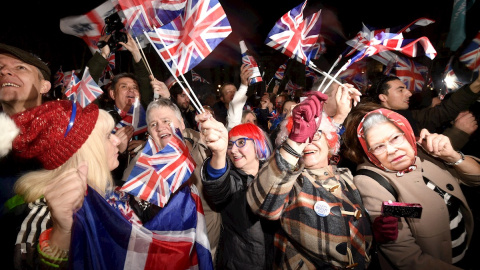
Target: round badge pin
<point>322,208</point>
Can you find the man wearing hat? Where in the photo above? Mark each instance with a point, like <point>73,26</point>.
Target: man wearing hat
<point>24,78</point>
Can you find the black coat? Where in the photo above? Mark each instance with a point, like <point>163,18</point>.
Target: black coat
<point>247,239</point>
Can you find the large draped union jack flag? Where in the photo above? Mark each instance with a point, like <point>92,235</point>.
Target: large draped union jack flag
<point>471,55</point>
<point>192,36</point>
<point>158,173</point>
<point>175,238</point>
<point>84,91</point>
<point>411,73</point>
<point>297,37</point>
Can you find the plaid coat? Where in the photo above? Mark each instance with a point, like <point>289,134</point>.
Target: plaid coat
<point>307,240</point>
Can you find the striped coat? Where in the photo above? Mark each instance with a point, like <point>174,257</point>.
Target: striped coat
<point>307,240</point>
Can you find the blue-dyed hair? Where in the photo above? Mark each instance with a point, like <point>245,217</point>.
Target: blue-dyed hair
<point>263,147</point>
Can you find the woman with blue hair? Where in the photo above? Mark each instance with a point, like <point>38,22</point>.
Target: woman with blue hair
<point>246,240</point>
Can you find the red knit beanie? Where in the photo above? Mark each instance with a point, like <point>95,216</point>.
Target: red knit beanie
<point>43,131</point>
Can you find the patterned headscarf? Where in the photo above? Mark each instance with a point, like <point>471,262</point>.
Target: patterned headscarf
<point>400,122</point>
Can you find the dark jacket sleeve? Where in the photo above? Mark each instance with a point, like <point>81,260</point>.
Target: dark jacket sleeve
<point>145,88</point>
<point>218,191</point>
<point>96,65</point>
<point>447,110</point>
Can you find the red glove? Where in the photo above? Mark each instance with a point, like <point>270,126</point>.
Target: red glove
<point>304,114</point>
<point>385,229</point>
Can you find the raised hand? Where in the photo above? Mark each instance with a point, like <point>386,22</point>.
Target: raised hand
<point>304,116</point>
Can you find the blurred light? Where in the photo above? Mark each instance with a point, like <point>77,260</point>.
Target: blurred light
<point>451,81</point>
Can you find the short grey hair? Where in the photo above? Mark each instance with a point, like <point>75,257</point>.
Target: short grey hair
<point>163,103</point>
<point>373,120</point>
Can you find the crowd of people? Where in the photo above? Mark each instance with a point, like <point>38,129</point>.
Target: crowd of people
<point>248,181</point>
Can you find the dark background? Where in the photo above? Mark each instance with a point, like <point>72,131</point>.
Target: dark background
<point>34,26</point>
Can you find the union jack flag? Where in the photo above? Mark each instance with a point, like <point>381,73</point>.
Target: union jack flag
<point>135,117</point>
<point>356,74</point>
<point>145,15</point>
<point>175,238</point>
<point>295,37</point>
<point>471,55</point>
<point>367,35</point>
<point>280,73</point>
<point>250,60</point>
<point>395,42</point>
<point>158,173</point>
<point>411,73</point>
<point>108,72</point>
<point>84,91</point>
<point>196,78</point>
<point>192,36</point>
<point>309,73</point>
<point>89,26</point>
<point>291,87</point>
<point>59,78</point>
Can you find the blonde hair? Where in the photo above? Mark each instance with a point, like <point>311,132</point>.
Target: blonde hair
<point>31,185</point>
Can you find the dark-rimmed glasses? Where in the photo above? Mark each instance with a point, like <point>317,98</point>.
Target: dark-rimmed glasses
<point>240,142</point>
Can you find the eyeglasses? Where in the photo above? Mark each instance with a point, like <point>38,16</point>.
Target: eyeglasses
<point>317,136</point>
<point>395,140</point>
<point>240,142</point>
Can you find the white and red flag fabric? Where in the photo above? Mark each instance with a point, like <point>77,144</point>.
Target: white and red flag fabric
<point>83,91</point>
<point>471,54</point>
<point>89,26</point>
<point>395,42</point>
<point>105,237</point>
<point>252,63</point>
<point>158,172</point>
<point>296,37</point>
<point>411,73</point>
<point>367,35</point>
<point>145,15</point>
<point>192,36</point>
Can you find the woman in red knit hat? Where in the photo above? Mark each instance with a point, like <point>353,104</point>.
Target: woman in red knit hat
<point>72,204</point>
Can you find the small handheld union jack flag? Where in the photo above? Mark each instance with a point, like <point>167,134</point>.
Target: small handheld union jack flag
<point>295,37</point>
<point>158,173</point>
<point>192,36</point>
<point>83,91</point>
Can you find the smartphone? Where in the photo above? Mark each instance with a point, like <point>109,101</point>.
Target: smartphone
<point>400,209</point>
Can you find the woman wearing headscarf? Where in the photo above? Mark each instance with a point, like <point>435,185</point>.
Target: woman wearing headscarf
<point>424,170</point>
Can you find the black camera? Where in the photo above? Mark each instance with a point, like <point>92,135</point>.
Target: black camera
<point>113,26</point>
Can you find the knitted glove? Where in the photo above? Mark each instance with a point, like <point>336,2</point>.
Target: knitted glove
<point>304,117</point>
<point>385,229</point>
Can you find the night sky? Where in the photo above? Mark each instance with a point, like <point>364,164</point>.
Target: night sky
<point>34,25</point>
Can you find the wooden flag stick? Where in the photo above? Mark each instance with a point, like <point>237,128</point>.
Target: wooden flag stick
<point>144,58</point>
